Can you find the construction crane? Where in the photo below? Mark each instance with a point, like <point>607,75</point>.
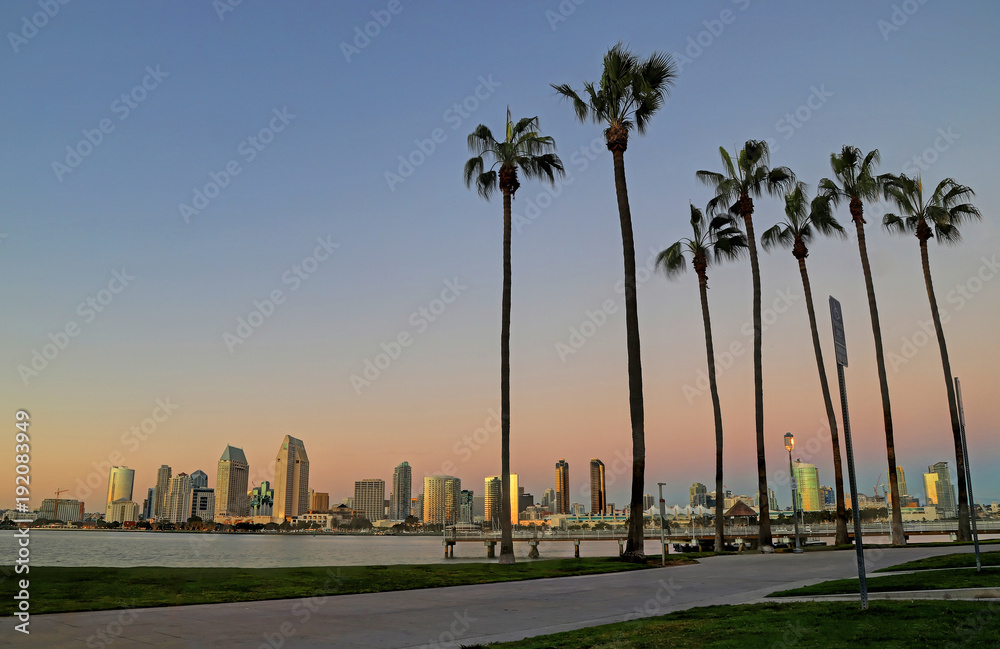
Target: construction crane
<point>55,513</point>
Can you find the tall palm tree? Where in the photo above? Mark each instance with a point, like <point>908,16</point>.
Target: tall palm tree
<point>735,188</point>
<point>802,218</point>
<point>715,240</point>
<point>628,95</point>
<point>857,183</point>
<point>939,216</point>
<point>526,149</point>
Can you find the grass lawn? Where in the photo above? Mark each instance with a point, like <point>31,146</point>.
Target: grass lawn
<point>58,590</point>
<point>963,560</point>
<point>897,625</point>
<point>914,581</point>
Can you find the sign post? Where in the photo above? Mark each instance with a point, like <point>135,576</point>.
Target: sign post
<point>840,346</point>
<point>968,474</point>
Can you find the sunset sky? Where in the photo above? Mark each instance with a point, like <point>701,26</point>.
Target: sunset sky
<point>216,217</point>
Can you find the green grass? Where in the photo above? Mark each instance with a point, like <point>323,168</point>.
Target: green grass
<point>962,560</point>
<point>58,589</point>
<point>914,581</point>
<point>895,625</point>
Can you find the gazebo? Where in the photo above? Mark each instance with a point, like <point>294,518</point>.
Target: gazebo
<point>741,510</point>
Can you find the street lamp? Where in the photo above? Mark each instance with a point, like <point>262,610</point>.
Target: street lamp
<point>663,507</point>
<point>789,445</point>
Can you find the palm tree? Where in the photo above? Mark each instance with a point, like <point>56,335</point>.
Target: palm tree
<point>939,216</point>
<point>795,232</point>
<point>718,240</point>
<point>858,183</point>
<point>734,189</point>
<point>526,149</point>
<point>629,93</point>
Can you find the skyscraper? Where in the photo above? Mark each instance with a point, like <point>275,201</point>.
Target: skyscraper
<point>549,500</point>
<point>562,487</point>
<point>162,487</point>
<point>149,503</point>
<point>807,486</point>
<point>441,499</point>
<point>466,500</point>
<point>647,501</point>
<point>369,497</point>
<point>598,493</point>
<point>199,479</point>
<point>120,480</point>
<point>262,500</point>
<point>231,484</point>
<point>493,498</point>
<point>320,501</point>
<point>402,486</point>
<point>938,488</point>
<point>698,495</point>
<point>179,499</point>
<point>291,479</point>
<point>203,503</point>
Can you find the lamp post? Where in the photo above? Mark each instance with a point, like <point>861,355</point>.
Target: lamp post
<point>663,507</point>
<point>789,445</point>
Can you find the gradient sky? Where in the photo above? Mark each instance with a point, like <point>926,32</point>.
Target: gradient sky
<point>919,87</point>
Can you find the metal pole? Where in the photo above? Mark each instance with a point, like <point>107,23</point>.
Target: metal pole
<point>795,510</point>
<point>849,447</point>
<point>968,475</point>
<point>663,541</point>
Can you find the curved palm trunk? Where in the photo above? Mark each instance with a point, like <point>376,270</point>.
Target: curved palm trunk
<point>716,409</point>
<point>634,550</point>
<point>506,539</point>
<point>764,516</point>
<point>890,447</point>
<point>838,476</point>
<point>964,530</point>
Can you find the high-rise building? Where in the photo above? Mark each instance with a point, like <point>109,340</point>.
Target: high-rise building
<point>199,479</point>
<point>291,479</point>
<point>827,498</point>
<point>179,498</point>
<point>466,506</point>
<point>122,510</point>
<point>938,488</point>
<point>162,487</point>
<point>598,493</point>
<point>67,510</point>
<point>203,503</point>
<point>807,486</point>
<point>231,484</point>
<point>647,501</point>
<point>698,495</point>
<point>149,503</point>
<point>417,507</point>
<point>402,486</point>
<point>369,498</point>
<point>549,500</point>
<point>320,501</point>
<point>524,500</point>
<point>441,499</point>
<point>494,497</point>
<point>562,487</point>
<point>478,508</point>
<point>120,480</point>
<point>901,482</point>
<point>262,500</point>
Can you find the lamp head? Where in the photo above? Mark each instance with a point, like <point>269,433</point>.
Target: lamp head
<point>789,442</point>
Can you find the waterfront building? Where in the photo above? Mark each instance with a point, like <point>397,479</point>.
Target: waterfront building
<point>562,487</point>
<point>231,484</point>
<point>203,503</point>
<point>417,507</point>
<point>647,501</point>
<point>369,498</point>
<point>122,511</point>
<point>262,500</point>
<point>291,479</point>
<point>900,479</point>
<point>120,479</point>
<point>494,496</point>
<point>162,487</point>
<point>178,507</point>
<point>827,498</point>
<point>148,503</point>
<point>402,486</point>
<point>320,502</point>
<point>938,489</point>
<point>199,479</point>
<point>466,506</point>
<point>549,500</point>
<point>698,495</point>
<point>598,492</point>
<point>441,499</point>
<point>807,486</point>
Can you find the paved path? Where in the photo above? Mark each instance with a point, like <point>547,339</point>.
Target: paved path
<point>450,617</point>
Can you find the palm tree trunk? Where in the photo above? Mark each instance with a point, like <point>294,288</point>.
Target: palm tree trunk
<point>634,550</point>
<point>964,529</point>
<point>717,411</point>
<point>838,475</point>
<point>506,539</point>
<point>764,516</point>
<point>898,537</point>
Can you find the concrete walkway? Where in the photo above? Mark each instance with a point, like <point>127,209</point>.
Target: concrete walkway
<point>450,617</point>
